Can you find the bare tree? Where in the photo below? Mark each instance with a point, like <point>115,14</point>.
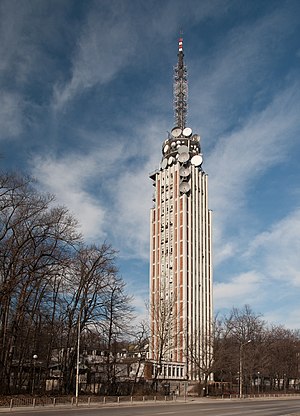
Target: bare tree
<point>115,327</point>
<point>140,342</point>
<point>84,292</point>
<point>204,356</point>
<point>163,330</point>
<point>283,352</point>
<point>35,241</point>
<point>53,290</point>
<point>241,337</point>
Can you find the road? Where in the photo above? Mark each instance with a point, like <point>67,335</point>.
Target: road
<point>259,407</point>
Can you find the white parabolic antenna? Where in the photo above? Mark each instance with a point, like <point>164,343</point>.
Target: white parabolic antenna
<point>164,163</point>
<point>183,157</point>
<point>187,132</point>
<point>184,187</point>
<point>184,171</point>
<point>170,160</point>
<point>197,160</point>
<point>176,131</point>
<point>183,149</point>
<point>166,148</point>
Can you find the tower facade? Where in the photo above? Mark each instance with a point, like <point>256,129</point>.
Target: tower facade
<point>180,251</point>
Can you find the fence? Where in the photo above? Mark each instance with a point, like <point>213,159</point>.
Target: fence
<point>67,401</point>
<point>17,402</point>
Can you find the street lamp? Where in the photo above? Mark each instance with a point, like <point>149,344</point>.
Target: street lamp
<point>258,381</point>
<point>78,351</point>
<point>241,367</point>
<point>33,378</point>
<point>78,356</point>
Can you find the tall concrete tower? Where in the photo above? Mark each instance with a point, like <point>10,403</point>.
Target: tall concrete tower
<point>180,251</point>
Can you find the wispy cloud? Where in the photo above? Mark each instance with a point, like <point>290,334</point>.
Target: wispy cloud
<point>276,251</point>
<point>240,158</point>
<point>288,313</point>
<point>15,49</point>
<point>70,177</point>
<point>245,68</point>
<point>132,190</point>
<point>241,289</point>
<point>105,68</point>
<point>102,50</point>
<point>11,115</point>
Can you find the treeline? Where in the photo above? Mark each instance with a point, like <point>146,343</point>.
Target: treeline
<point>51,285</point>
<point>248,350</point>
<point>55,289</point>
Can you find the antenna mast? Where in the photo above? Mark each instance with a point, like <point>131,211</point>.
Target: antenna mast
<point>180,88</point>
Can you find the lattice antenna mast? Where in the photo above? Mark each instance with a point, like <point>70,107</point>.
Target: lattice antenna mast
<point>180,89</point>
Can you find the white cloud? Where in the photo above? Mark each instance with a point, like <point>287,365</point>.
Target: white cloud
<point>233,77</point>
<point>14,46</point>
<point>277,250</point>
<point>102,50</point>
<point>133,191</point>
<point>225,250</point>
<point>140,300</point>
<point>232,91</point>
<point>240,290</point>
<point>236,163</point>
<point>69,178</point>
<point>11,117</point>
<point>132,212</point>
<point>240,158</point>
<point>287,313</point>
<point>230,96</point>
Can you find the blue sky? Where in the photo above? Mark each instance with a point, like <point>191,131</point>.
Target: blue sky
<point>86,101</point>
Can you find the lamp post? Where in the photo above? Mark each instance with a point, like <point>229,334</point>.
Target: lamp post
<point>241,367</point>
<point>258,381</point>
<point>78,356</point>
<point>78,351</point>
<point>34,357</point>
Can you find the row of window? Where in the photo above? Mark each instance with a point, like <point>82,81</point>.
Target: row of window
<point>168,370</point>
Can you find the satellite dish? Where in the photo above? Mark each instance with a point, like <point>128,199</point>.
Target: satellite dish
<point>164,163</point>
<point>170,160</point>
<point>166,148</point>
<point>183,149</point>
<point>184,187</point>
<point>187,132</point>
<point>196,138</point>
<point>184,171</point>
<point>197,160</point>
<point>176,131</point>
<point>173,144</point>
<point>183,157</point>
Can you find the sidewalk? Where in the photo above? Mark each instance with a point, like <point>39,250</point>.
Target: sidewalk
<point>61,403</point>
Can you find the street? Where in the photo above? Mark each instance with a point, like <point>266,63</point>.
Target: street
<point>259,407</point>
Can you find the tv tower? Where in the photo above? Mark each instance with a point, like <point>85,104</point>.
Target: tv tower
<point>180,251</point>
